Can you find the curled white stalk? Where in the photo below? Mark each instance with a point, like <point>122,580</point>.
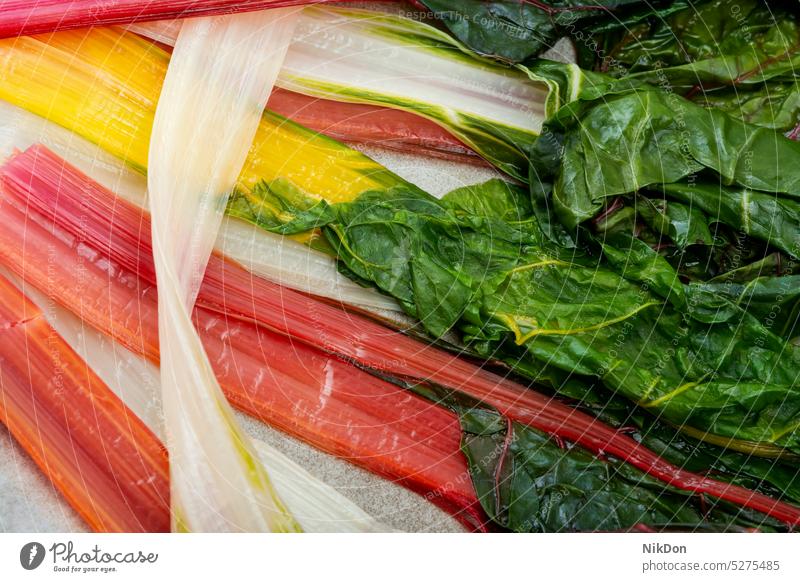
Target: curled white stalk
<point>217,84</point>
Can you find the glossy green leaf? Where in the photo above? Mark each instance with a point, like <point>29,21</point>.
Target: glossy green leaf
<point>516,31</point>
<point>691,356</point>
<point>721,41</point>
<point>684,224</point>
<point>740,56</point>
<point>640,137</point>
<point>527,481</point>
<point>769,217</point>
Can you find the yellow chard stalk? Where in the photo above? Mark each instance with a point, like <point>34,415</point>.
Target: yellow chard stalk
<point>104,84</point>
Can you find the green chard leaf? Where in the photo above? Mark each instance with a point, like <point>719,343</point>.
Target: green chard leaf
<point>766,216</point>
<point>684,224</point>
<point>280,207</point>
<point>514,31</point>
<point>719,41</point>
<point>772,476</point>
<point>775,301</point>
<point>528,481</point>
<point>640,137</point>
<point>738,56</point>
<point>775,105</point>
<point>477,263</point>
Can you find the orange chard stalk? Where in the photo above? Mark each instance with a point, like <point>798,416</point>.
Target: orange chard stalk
<point>108,465</point>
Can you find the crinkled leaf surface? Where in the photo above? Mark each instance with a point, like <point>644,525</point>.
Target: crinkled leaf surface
<point>477,263</point>
<point>516,31</point>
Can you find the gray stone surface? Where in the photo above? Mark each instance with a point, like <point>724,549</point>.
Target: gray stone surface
<point>28,501</point>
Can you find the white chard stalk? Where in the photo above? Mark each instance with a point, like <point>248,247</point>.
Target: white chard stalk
<point>219,78</point>
<point>363,56</point>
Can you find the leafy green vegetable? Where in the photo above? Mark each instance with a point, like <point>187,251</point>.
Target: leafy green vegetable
<point>515,31</point>
<point>774,105</point>
<point>773,300</point>
<point>639,137</point>
<point>739,56</point>
<point>775,477</point>
<point>684,224</point>
<point>527,481</point>
<point>721,41</point>
<point>476,262</point>
<point>727,253</point>
<point>706,192</point>
<point>764,216</point>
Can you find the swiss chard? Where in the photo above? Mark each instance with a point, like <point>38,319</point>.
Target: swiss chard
<point>97,453</point>
<point>515,31</point>
<point>368,57</point>
<point>479,263</point>
<point>529,481</point>
<point>739,56</point>
<point>634,138</point>
<point>233,295</point>
<point>476,262</point>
